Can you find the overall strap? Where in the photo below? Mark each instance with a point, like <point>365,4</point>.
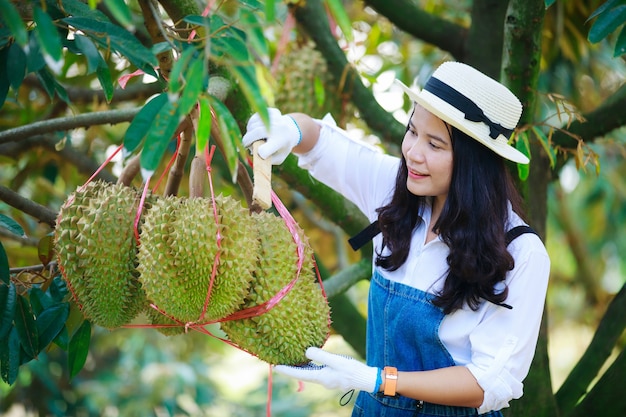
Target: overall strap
<point>516,232</point>
<point>360,239</point>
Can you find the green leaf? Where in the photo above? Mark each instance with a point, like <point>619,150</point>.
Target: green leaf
<point>79,8</point>
<point>62,339</point>
<point>606,24</point>
<point>230,43</point>
<point>141,123</point>
<point>47,81</point>
<point>11,225</point>
<point>104,76</point>
<point>5,83</point>
<point>196,79</point>
<point>16,65</point>
<point>204,124</point>
<point>230,133</point>
<point>620,43</point>
<point>89,50</point>
<point>246,78</point>
<point>58,289</point>
<point>179,67</point>
<point>340,15</point>
<point>10,357</point>
<point>26,327</point>
<point>198,20</point>
<point>79,348</point>
<point>545,142</point>
<point>255,35</point>
<point>269,11</point>
<point>120,11</point>
<point>13,20</point>
<point>549,3</point>
<point>320,92</point>
<point>607,5</point>
<point>50,323</point>
<point>5,272</point>
<point>8,299</point>
<point>47,34</point>
<point>112,36</point>
<point>45,249</point>
<point>521,143</point>
<point>159,136</point>
<point>34,58</point>
<point>523,170</point>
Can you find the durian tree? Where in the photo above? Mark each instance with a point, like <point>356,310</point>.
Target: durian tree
<point>167,87</point>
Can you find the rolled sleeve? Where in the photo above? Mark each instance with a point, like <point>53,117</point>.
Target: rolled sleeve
<point>503,344</point>
<point>360,172</point>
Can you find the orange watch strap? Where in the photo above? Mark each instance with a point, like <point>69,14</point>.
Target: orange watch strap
<point>391,379</point>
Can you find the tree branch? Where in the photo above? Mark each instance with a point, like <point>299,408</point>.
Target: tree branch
<point>411,19</point>
<point>600,348</point>
<point>67,123</point>
<point>83,163</point>
<point>313,19</point>
<point>484,41</point>
<point>78,95</point>
<point>29,207</point>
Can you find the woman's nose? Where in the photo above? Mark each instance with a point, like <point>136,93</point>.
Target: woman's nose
<point>415,151</point>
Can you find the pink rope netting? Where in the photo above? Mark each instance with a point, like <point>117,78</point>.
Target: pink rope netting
<point>200,325</point>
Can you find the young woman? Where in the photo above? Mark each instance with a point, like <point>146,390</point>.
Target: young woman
<point>458,285</point>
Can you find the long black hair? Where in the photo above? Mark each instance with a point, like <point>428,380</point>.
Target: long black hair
<point>471,223</point>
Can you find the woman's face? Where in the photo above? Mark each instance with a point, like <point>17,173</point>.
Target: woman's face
<point>427,148</point>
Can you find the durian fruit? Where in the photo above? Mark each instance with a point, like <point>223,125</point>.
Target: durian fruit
<point>179,245</point>
<point>300,319</point>
<point>304,83</point>
<point>96,252</point>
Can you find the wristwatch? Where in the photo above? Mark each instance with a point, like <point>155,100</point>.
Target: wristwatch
<point>391,378</point>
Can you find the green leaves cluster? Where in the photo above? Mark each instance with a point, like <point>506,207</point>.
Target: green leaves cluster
<point>34,318</point>
<point>224,45</point>
<point>609,17</point>
<point>35,40</point>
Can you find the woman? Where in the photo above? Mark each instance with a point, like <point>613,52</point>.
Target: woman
<point>454,310</point>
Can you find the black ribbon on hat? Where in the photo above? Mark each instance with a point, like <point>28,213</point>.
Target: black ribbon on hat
<point>467,106</point>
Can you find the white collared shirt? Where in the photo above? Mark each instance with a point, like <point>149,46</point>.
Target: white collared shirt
<point>496,344</point>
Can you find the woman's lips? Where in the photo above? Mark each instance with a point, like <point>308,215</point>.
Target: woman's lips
<point>416,175</point>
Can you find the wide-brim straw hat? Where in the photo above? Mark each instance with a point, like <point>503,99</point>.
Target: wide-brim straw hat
<point>473,103</point>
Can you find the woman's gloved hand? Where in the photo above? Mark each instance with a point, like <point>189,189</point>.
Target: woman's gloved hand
<point>282,135</point>
<point>334,372</point>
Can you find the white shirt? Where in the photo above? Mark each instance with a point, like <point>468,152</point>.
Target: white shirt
<point>496,344</point>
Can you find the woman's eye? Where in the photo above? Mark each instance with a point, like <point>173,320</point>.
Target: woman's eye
<point>434,145</point>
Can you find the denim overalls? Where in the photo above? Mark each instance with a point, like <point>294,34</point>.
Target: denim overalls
<point>403,331</point>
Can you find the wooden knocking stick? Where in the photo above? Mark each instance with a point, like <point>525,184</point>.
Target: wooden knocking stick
<point>262,172</point>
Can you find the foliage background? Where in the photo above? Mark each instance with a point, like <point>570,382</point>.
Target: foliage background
<point>580,74</point>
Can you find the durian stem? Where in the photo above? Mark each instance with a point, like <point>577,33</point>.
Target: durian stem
<point>130,171</point>
<point>197,175</point>
<point>243,179</point>
<point>175,175</point>
<point>157,34</point>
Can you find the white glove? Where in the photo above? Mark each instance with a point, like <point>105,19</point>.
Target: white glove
<point>282,135</point>
<point>335,372</point>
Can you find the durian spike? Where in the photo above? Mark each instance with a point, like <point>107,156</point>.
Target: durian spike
<point>262,172</point>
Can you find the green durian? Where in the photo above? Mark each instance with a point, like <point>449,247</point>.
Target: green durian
<point>179,247</point>
<point>96,252</point>
<point>304,83</point>
<point>300,319</point>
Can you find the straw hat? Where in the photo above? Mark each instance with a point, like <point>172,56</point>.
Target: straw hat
<point>475,104</point>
